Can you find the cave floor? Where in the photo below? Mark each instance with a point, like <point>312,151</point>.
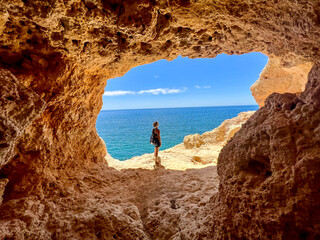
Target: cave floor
<point>130,204</point>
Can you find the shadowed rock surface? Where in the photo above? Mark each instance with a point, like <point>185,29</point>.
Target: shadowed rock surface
<point>105,203</point>
<point>60,186</point>
<point>270,170</point>
<point>19,107</point>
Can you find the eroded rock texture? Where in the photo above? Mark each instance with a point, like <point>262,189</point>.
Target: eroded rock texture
<point>3,183</point>
<point>19,107</point>
<point>270,170</point>
<point>109,204</point>
<point>66,50</point>
<point>281,79</point>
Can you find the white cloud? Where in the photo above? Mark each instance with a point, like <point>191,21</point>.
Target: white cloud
<point>156,76</point>
<point>197,86</point>
<point>162,91</point>
<point>117,93</point>
<point>156,91</point>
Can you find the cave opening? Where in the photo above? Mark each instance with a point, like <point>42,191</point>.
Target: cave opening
<point>60,186</point>
<point>187,97</point>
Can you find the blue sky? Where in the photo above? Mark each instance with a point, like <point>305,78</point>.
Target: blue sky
<point>183,82</point>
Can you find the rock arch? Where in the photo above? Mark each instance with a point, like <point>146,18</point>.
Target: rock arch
<point>64,51</point>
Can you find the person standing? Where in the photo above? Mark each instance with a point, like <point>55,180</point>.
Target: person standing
<point>156,141</point>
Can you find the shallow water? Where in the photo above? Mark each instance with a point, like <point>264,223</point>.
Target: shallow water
<point>127,132</point>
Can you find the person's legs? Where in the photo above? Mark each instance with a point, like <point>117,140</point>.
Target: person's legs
<point>156,150</point>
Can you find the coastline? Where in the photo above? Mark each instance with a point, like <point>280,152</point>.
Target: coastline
<point>196,151</point>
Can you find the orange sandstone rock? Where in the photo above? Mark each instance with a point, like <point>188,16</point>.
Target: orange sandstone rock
<point>270,170</point>
<point>281,79</point>
<point>59,183</point>
<point>19,107</point>
<point>66,50</point>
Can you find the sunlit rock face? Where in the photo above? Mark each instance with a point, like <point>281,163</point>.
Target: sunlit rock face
<point>270,170</point>
<point>64,51</point>
<point>281,79</point>
<point>220,135</point>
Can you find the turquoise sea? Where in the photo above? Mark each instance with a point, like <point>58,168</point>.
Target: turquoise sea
<point>127,132</point>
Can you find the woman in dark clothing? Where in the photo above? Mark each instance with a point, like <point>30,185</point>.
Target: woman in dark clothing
<point>156,141</point>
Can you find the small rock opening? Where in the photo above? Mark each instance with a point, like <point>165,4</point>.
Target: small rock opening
<point>257,167</point>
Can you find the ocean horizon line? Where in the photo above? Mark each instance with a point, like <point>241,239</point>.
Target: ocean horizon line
<point>127,132</point>
<point>124,109</point>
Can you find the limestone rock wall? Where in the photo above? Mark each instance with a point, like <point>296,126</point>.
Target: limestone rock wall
<point>270,170</point>
<point>64,51</point>
<point>19,107</point>
<point>281,79</point>
<point>65,131</point>
<point>3,183</point>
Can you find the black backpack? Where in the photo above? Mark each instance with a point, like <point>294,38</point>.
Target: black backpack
<point>152,138</point>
